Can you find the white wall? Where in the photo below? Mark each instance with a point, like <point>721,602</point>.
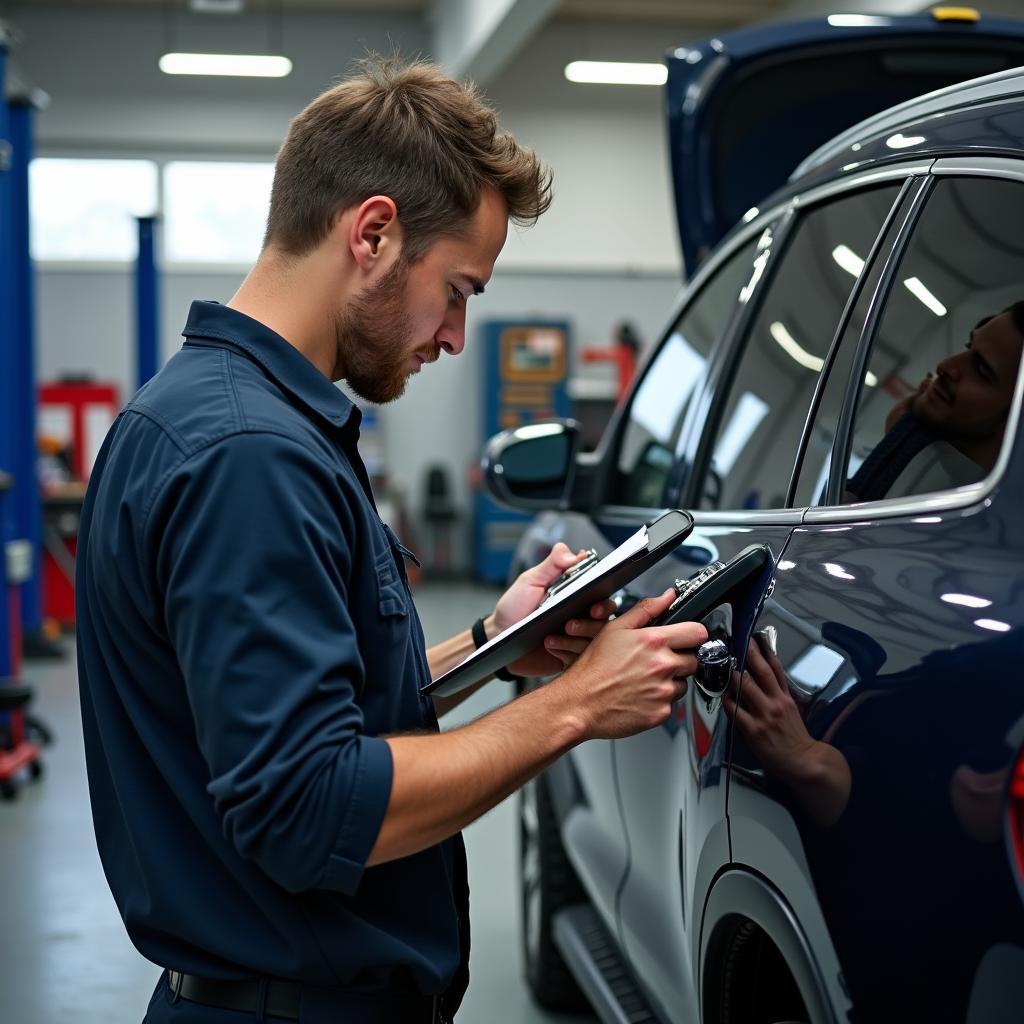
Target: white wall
<point>606,250</point>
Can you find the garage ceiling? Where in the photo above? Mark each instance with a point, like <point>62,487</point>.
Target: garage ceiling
<point>637,12</point>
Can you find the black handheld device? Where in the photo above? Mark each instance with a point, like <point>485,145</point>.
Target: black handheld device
<point>602,579</point>
<point>707,588</point>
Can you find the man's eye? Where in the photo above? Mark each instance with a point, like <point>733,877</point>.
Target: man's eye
<point>457,296</point>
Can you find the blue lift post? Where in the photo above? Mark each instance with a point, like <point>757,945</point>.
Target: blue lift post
<point>26,498</point>
<point>146,301</point>
<point>6,376</point>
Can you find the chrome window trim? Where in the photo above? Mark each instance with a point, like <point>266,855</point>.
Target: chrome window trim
<point>904,197</point>
<point>864,178</point>
<point>985,167</point>
<point>771,215</point>
<point>970,494</point>
<point>777,211</point>
<point>800,204</point>
<point>752,518</point>
<point>631,514</point>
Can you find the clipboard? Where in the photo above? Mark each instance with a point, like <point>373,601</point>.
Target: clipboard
<point>573,598</point>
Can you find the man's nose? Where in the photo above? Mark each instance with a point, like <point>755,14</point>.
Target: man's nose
<point>951,366</point>
<point>452,334</point>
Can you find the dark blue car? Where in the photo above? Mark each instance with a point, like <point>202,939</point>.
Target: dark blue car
<point>834,837</point>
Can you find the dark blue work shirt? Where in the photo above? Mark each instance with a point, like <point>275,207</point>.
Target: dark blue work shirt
<point>245,637</point>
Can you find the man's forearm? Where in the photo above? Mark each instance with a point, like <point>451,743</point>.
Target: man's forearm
<point>443,782</point>
<point>449,653</point>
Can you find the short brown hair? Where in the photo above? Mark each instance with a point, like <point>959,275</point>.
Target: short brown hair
<point>405,130</point>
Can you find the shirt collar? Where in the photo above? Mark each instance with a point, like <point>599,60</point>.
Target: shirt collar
<point>284,363</point>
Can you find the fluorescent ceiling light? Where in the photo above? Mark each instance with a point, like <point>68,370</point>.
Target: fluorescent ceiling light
<point>606,72</point>
<point>848,260</point>
<point>216,6</point>
<point>760,262</point>
<point>967,600</point>
<point>816,666</point>
<point>236,64</point>
<point>856,20</point>
<point>994,624</point>
<point>838,571</point>
<point>746,418</point>
<point>793,349</point>
<point>916,288</point>
<point>901,141</point>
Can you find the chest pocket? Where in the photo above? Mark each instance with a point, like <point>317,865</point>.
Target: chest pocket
<point>390,588</point>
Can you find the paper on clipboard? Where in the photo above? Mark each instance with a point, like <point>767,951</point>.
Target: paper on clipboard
<point>574,597</point>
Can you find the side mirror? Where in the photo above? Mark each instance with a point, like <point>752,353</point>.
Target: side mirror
<point>532,467</point>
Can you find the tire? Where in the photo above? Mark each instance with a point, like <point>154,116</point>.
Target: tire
<point>8,789</point>
<point>547,884</point>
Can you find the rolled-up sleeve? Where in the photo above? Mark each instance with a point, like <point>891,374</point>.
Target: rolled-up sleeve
<point>252,553</point>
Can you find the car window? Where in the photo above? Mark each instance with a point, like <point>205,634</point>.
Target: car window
<point>948,347</point>
<point>647,453</point>
<point>758,433</point>
<point>817,457</point>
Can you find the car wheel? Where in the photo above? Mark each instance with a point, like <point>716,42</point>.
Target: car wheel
<point>547,884</point>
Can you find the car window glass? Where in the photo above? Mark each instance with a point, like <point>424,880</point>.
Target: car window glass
<point>659,403</point>
<point>759,432</point>
<point>948,347</point>
<point>817,458</point>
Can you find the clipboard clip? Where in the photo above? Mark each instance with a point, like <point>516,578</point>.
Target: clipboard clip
<point>589,559</point>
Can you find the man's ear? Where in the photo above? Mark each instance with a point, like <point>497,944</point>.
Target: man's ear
<point>374,235</point>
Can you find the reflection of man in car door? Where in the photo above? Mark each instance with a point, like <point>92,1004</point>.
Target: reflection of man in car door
<point>949,431</point>
<point>903,849</point>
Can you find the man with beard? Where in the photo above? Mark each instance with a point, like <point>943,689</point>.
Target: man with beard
<point>949,431</point>
<point>276,810</point>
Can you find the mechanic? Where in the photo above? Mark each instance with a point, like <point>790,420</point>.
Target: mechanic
<point>277,813</point>
<point>949,431</point>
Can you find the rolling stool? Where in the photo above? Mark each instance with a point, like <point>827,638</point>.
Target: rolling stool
<point>17,752</point>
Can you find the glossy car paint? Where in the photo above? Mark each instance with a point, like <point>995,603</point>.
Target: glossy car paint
<point>905,907</point>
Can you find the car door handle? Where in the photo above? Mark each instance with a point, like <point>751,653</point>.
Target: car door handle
<point>714,671</point>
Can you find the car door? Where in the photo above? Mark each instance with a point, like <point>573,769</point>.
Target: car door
<point>644,467</point>
<point>899,623</point>
<point>746,437</point>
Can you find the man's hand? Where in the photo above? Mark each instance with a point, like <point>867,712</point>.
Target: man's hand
<point>525,596</point>
<point>769,718</point>
<point>628,679</point>
<point>772,725</point>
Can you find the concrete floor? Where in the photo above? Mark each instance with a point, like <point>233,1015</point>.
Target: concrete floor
<point>64,955</point>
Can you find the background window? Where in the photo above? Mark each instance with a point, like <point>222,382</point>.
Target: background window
<point>817,458</point>
<point>86,209</point>
<point>947,353</point>
<point>759,431</point>
<point>647,455</point>
<point>215,212</point>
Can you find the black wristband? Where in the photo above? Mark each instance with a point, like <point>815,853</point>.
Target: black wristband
<point>479,634</point>
<point>479,639</point>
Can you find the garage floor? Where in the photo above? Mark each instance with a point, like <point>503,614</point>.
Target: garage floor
<point>64,955</point>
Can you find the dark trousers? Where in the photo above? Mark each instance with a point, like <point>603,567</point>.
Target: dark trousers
<point>165,1008</point>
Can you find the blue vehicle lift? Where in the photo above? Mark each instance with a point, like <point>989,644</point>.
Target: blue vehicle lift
<point>20,509</point>
<point>147,307</point>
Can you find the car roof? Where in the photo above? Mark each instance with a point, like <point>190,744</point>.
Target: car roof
<point>953,106</point>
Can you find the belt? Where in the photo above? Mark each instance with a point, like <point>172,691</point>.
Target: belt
<point>283,999</point>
